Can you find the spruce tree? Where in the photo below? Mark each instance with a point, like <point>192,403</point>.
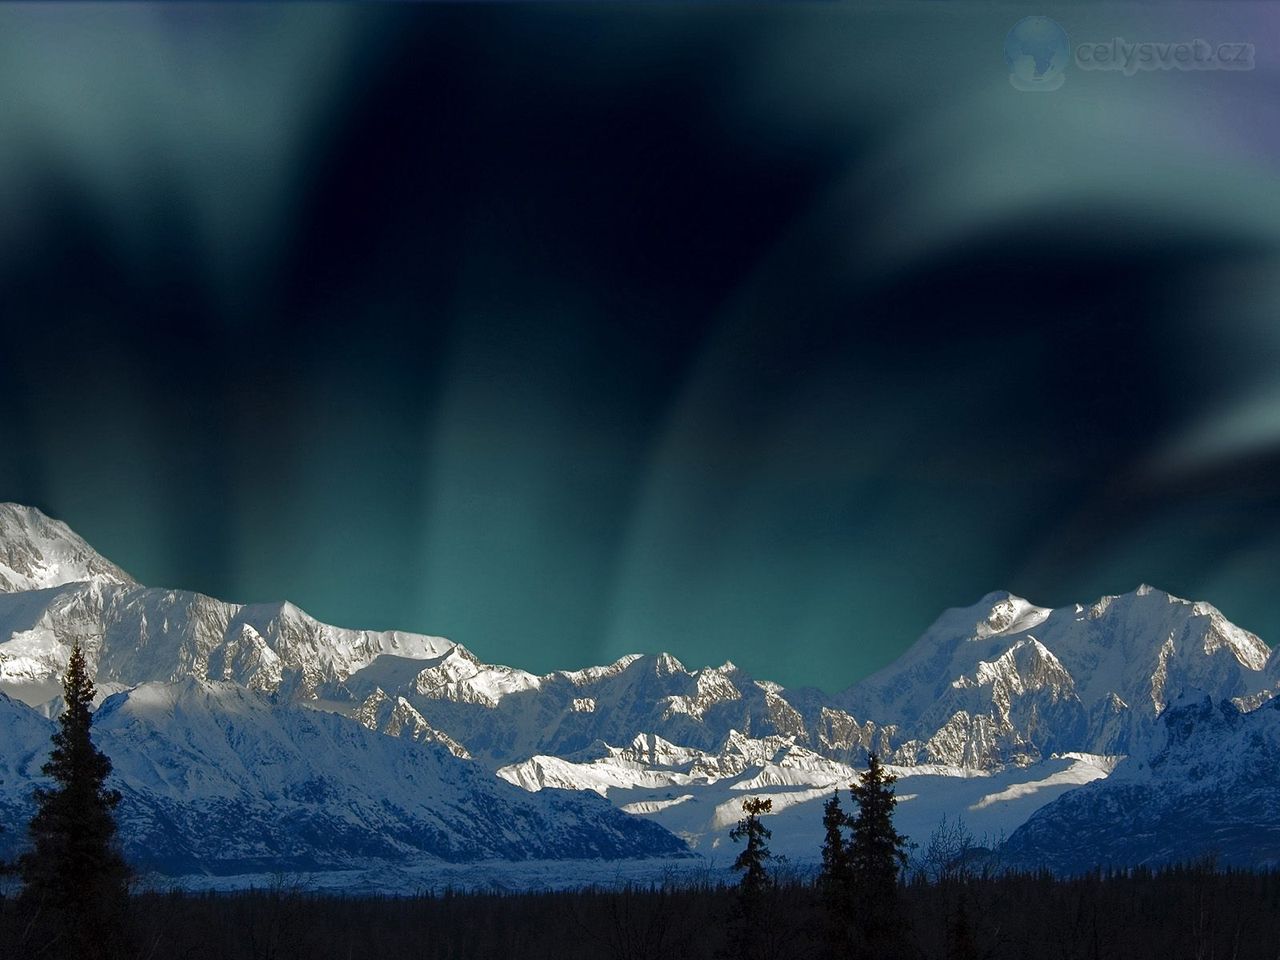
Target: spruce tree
<point>74,873</point>
<point>749,934</point>
<point>877,855</point>
<point>877,852</point>
<point>834,876</point>
<point>835,881</point>
<point>751,861</point>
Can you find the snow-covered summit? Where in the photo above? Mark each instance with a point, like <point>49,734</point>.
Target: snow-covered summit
<point>133,634</point>
<point>1008,614</point>
<point>1006,680</point>
<point>38,552</point>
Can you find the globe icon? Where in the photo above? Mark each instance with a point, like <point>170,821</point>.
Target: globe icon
<point>1036,51</point>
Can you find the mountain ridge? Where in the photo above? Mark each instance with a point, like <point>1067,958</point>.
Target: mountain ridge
<point>1204,786</point>
<point>217,778</point>
<point>1001,681</point>
<point>998,708</point>
<point>37,551</point>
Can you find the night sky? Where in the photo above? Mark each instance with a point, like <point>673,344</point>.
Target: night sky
<point>752,333</point>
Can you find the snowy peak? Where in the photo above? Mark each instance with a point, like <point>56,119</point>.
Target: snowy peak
<point>1247,648</point>
<point>1005,680</point>
<point>590,675</point>
<point>665,665</point>
<point>710,687</point>
<point>1007,615</point>
<point>1026,667</point>
<point>133,634</point>
<point>396,717</point>
<point>38,552</point>
<point>458,676</point>
<point>322,653</point>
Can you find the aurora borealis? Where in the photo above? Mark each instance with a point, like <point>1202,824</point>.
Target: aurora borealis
<point>753,333</point>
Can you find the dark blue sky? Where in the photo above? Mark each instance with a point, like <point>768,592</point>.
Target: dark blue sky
<point>747,333</point>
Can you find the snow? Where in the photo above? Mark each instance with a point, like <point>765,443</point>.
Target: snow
<point>133,634</point>
<point>700,800</point>
<point>1085,769</point>
<point>991,804</point>
<point>999,709</point>
<point>1203,782</point>
<point>655,806</point>
<point>665,663</point>
<point>40,552</point>
<point>592,674</point>
<point>214,775</point>
<point>1011,615</point>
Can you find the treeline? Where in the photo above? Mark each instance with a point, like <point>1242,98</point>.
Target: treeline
<point>1190,912</point>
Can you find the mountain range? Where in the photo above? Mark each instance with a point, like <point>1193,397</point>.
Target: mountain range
<point>248,738</point>
<point>1209,774</point>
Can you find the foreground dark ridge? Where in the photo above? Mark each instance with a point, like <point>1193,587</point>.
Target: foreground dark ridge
<point>1189,911</point>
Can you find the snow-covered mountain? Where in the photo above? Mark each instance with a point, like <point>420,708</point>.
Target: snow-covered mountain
<point>1205,785</point>
<point>133,634</point>
<point>998,682</point>
<point>217,779</point>
<point>698,795</point>
<point>999,707</point>
<point>1006,681</point>
<point>37,552</point>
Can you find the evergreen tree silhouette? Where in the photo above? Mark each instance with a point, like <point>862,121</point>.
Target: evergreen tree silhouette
<point>835,879</point>
<point>877,852</point>
<point>834,875</point>
<point>877,855</point>
<point>748,933</point>
<point>74,875</point>
<point>751,861</point>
